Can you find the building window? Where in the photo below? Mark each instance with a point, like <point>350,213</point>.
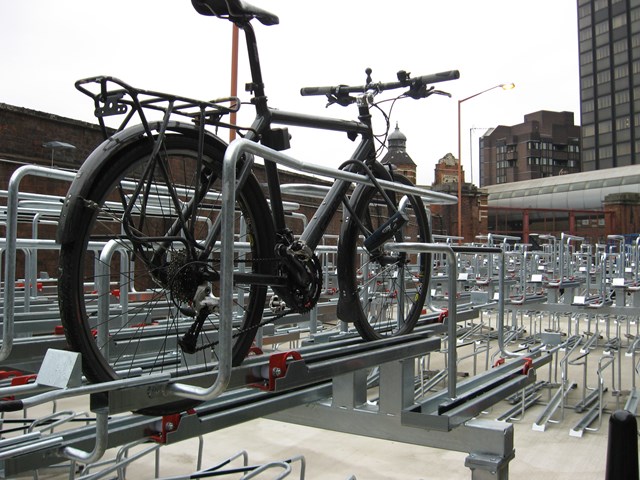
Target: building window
<point>602,27</point>
<point>586,82</point>
<point>620,52</point>
<point>589,155</point>
<point>602,52</point>
<point>603,77</point>
<point>584,11</point>
<point>605,152</point>
<point>622,123</point>
<point>604,101</point>
<point>623,148</point>
<point>599,5</point>
<point>621,71</point>
<point>619,20</point>
<point>622,97</point>
<point>620,46</point>
<point>604,127</point>
<point>588,131</point>
<point>585,33</point>
<point>588,106</point>
<point>586,58</point>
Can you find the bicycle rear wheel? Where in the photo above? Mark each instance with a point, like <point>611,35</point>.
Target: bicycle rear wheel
<point>382,291</point>
<point>128,315</point>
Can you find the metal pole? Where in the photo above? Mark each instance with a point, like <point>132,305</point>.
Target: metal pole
<point>459,173</point>
<point>504,86</point>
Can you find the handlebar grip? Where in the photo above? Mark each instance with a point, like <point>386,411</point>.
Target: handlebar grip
<point>308,91</point>
<point>438,77</point>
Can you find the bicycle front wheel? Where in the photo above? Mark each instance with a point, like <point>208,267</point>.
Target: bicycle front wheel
<point>382,291</point>
<point>128,312</point>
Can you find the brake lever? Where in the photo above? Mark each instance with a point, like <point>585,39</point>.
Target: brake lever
<point>423,92</point>
<point>343,100</point>
<point>331,99</point>
<point>418,91</point>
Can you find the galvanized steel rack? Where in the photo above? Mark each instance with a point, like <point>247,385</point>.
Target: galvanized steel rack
<point>323,383</point>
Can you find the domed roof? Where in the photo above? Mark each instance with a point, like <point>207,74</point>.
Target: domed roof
<point>397,153</point>
<point>397,139</point>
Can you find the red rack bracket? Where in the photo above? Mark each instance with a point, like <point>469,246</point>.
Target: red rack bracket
<point>168,424</point>
<point>528,365</point>
<point>277,369</point>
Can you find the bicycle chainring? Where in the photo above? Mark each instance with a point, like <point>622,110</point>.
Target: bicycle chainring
<point>303,270</point>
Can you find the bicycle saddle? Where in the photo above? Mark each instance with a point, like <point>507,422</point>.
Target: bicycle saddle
<point>234,10</point>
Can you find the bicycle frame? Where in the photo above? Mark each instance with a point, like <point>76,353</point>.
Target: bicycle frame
<point>265,117</point>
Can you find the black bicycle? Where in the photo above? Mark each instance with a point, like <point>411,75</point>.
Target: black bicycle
<point>140,227</point>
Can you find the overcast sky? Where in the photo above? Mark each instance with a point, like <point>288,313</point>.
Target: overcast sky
<point>165,45</point>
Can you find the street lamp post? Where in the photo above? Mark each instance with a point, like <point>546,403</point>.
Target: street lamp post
<point>504,86</point>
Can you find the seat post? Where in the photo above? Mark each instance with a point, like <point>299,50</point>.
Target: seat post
<point>257,86</point>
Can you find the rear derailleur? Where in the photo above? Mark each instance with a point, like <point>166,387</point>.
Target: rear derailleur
<point>205,303</point>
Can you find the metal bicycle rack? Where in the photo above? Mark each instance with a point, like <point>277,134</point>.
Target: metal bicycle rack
<point>484,294</point>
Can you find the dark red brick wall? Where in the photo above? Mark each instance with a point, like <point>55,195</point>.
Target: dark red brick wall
<point>623,213</point>
<point>445,217</point>
<point>23,133</point>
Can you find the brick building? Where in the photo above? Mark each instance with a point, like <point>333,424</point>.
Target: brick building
<point>444,218</point>
<point>546,144</point>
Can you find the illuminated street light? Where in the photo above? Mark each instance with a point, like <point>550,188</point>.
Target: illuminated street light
<point>504,86</point>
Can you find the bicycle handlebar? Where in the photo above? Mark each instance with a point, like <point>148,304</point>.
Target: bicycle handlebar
<point>412,83</point>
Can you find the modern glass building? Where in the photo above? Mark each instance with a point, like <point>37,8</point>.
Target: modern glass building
<point>609,35</point>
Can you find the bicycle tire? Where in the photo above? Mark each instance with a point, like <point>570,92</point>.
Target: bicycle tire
<point>143,335</point>
<point>371,295</point>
